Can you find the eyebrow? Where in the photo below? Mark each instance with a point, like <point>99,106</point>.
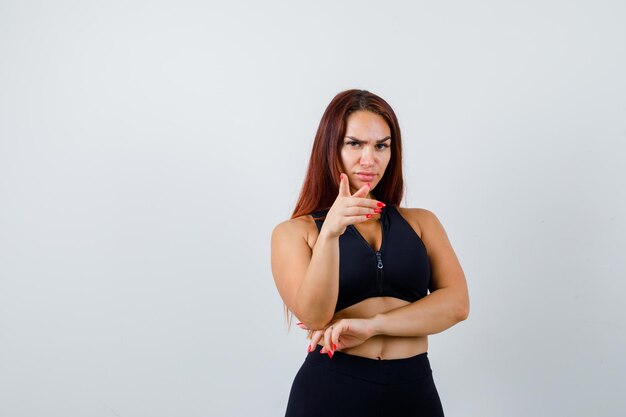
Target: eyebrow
<point>362,141</point>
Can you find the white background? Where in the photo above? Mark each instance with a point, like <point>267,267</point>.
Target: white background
<point>147,150</point>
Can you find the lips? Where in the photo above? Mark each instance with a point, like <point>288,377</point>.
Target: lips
<point>365,176</point>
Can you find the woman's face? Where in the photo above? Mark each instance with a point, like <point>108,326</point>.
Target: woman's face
<point>365,151</point>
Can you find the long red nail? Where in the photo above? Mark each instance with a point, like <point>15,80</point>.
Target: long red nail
<point>330,354</point>
<point>334,346</point>
<point>379,204</point>
<point>368,216</point>
<point>377,210</point>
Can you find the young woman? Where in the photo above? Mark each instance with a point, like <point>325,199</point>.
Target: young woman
<point>369,280</point>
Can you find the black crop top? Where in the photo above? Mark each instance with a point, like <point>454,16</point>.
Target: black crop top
<point>400,269</point>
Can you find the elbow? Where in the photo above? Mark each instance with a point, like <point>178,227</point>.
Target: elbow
<point>462,311</point>
<point>462,306</point>
<point>463,314</point>
<point>316,323</point>
<point>315,317</point>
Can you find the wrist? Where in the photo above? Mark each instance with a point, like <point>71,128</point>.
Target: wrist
<point>324,235</point>
<point>376,324</point>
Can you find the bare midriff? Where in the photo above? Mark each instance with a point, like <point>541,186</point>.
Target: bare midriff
<point>381,346</point>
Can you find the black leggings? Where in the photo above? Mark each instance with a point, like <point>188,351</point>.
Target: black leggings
<point>349,385</point>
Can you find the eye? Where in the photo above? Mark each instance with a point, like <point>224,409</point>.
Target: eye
<point>352,143</point>
<point>382,146</point>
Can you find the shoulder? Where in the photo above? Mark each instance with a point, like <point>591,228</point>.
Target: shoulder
<point>300,227</point>
<point>420,219</point>
<point>431,231</point>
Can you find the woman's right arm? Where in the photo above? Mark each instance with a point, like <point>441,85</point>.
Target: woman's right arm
<point>308,278</point>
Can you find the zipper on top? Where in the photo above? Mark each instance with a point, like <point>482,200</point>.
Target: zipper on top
<point>379,259</point>
<point>379,271</point>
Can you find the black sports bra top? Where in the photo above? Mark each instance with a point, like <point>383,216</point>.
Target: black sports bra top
<point>400,269</point>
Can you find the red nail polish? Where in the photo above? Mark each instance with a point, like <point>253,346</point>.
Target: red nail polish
<point>308,349</point>
<point>334,346</point>
<point>330,354</point>
<point>368,216</point>
<point>377,210</point>
<point>379,204</point>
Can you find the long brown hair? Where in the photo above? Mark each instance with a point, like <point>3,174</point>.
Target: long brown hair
<point>321,184</point>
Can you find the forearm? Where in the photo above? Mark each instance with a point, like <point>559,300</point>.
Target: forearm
<point>317,296</point>
<point>432,314</point>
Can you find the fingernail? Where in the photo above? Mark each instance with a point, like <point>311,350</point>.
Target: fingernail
<point>308,349</point>
<point>334,346</point>
<point>341,176</point>
<point>377,210</point>
<point>369,185</point>
<point>379,204</point>
<point>368,215</point>
<point>330,354</point>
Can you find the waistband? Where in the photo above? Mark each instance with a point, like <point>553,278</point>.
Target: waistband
<point>385,371</point>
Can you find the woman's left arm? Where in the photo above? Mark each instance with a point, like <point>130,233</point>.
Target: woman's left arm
<point>448,302</point>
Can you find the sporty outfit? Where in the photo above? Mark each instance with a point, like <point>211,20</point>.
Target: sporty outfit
<point>349,385</point>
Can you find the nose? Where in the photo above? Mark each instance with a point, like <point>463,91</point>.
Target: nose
<point>367,157</point>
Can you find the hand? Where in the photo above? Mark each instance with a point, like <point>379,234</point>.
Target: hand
<point>349,209</point>
<point>341,334</point>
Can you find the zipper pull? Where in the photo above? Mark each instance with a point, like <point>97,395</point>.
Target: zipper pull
<point>380,260</point>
